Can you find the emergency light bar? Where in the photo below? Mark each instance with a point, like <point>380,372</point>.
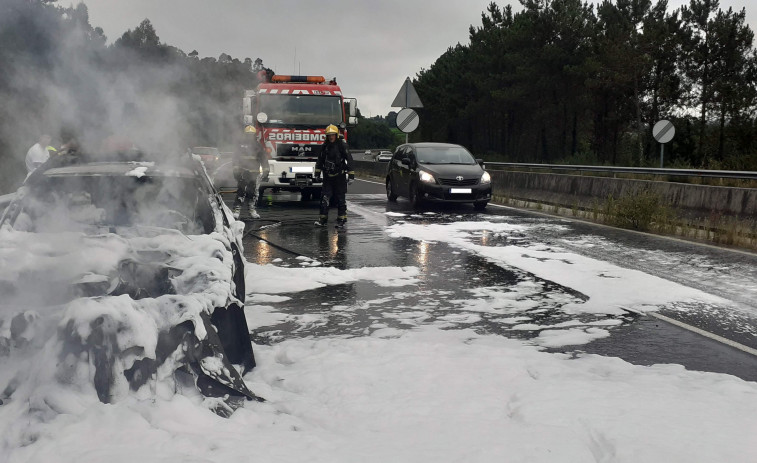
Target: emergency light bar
<point>311,79</point>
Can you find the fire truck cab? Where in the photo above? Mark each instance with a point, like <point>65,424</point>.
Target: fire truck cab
<point>290,115</point>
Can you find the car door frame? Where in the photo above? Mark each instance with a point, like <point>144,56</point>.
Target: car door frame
<point>395,171</point>
<point>410,170</point>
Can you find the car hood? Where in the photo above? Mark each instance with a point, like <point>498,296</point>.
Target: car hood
<point>453,170</point>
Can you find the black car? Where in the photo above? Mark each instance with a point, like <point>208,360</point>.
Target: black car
<point>104,237</point>
<point>437,172</point>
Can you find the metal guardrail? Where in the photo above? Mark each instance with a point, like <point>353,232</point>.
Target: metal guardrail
<point>743,175</point>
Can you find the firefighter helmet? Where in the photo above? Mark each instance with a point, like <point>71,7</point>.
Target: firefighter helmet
<point>249,129</point>
<point>332,130</point>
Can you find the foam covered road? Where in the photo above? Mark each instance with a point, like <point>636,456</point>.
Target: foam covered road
<point>559,283</point>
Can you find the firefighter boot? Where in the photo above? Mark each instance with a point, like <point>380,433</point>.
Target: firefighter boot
<point>253,213</point>
<point>237,211</point>
<point>322,221</point>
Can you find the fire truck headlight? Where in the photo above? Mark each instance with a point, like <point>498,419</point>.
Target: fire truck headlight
<point>262,118</point>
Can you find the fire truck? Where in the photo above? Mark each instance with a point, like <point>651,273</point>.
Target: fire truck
<point>290,115</point>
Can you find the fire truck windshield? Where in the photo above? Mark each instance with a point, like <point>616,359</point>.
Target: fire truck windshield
<point>301,110</point>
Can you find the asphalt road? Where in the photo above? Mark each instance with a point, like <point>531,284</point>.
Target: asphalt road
<point>285,233</point>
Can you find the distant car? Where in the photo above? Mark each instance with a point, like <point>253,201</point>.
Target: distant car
<point>384,156</point>
<point>144,275</point>
<point>210,156</point>
<point>437,172</point>
<point>223,175</point>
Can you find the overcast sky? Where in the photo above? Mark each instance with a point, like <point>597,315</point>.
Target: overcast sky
<point>370,47</point>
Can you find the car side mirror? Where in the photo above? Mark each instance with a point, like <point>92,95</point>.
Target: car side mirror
<point>480,162</point>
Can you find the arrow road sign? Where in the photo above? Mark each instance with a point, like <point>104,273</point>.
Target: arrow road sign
<point>663,131</point>
<point>407,120</point>
<point>407,97</point>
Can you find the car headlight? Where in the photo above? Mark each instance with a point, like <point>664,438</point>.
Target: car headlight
<point>426,177</point>
<point>486,178</point>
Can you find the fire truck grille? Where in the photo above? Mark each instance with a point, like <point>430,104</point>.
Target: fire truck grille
<point>294,150</point>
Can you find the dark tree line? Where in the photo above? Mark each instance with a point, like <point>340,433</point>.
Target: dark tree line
<point>374,132</point>
<point>58,76</point>
<point>563,81</point>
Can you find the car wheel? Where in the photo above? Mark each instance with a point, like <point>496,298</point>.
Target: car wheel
<point>415,199</point>
<point>389,192</point>
<point>480,206</point>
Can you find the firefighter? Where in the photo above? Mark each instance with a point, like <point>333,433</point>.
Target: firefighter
<point>335,163</point>
<point>250,167</point>
<point>38,153</point>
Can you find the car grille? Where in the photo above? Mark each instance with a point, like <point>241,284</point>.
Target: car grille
<point>455,182</point>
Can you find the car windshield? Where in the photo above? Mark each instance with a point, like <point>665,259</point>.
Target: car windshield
<point>304,110</point>
<point>87,203</point>
<point>444,155</point>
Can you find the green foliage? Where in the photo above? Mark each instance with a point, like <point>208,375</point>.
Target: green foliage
<point>638,211</point>
<point>371,133</point>
<point>565,81</point>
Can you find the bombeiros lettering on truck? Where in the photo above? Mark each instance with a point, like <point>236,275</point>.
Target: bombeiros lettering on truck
<point>290,115</point>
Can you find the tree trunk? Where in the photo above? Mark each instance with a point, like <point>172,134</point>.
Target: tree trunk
<point>574,141</point>
<point>722,130</point>
<point>703,117</point>
<point>639,127</point>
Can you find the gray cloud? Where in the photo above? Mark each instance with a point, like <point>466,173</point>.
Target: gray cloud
<point>369,46</point>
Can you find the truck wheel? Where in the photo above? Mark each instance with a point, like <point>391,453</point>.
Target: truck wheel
<point>389,192</point>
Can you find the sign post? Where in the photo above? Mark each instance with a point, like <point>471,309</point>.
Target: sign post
<point>407,98</point>
<point>663,131</point>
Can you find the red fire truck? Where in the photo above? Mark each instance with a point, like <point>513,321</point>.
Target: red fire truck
<point>290,115</point>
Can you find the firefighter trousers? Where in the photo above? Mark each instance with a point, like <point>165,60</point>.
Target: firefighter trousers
<point>334,190</point>
<point>247,188</point>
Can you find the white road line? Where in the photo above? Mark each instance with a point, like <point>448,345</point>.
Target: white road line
<point>706,334</point>
<point>696,330</point>
<point>368,181</point>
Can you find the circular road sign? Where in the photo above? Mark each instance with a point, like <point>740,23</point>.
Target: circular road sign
<point>407,120</point>
<point>663,131</point>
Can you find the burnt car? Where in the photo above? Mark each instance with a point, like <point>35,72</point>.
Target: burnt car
<point>437,172</point>
<point>129,269</point>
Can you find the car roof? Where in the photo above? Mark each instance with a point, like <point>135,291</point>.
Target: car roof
<point>433,145</point>
<point>109,169</point>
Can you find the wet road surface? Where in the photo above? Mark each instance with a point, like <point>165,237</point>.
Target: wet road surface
<point>454,288</point>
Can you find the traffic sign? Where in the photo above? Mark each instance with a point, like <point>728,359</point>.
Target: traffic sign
<point>663,131</point>
<point>407,120</point>
<point>407,97</point>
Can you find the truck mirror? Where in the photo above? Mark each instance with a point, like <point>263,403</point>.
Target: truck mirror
<point>247,106</point>
<point>352,121</point>
<point>249,120</point>
<point>351,107</point>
